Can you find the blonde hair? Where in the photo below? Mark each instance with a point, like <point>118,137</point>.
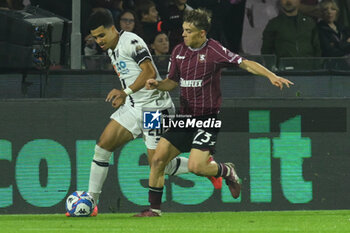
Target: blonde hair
<point>324,4</point>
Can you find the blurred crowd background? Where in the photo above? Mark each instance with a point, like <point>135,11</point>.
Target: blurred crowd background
<point>283,28</point>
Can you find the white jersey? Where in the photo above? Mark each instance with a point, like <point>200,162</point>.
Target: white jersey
<point>129,53</point>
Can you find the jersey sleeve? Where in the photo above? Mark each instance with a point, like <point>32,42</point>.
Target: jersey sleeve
<point>138,50</point>
<point>173,69</point>
<point>224,56</point>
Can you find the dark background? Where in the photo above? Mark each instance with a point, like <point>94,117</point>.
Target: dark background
<point>66,121</point>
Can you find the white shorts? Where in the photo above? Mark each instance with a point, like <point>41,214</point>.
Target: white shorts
<point>131,118</point>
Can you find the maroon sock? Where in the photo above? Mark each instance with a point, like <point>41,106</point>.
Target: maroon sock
<point>222,170</point>
<point>155,197</point>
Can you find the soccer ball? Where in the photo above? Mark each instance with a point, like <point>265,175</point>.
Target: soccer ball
<point>79,204</point>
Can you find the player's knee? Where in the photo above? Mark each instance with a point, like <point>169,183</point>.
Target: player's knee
<point>101,154</point>
<point>158,163</point>
<point>195,167</point>
<point>105,144</point>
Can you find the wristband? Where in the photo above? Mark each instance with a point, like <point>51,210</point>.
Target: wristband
<point>128,91</point>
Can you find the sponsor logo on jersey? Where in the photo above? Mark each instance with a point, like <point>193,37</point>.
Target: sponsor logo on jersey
<point>180,57</point>
<point>190,83</point>
<point>121,68</point>
<point>116,70</point>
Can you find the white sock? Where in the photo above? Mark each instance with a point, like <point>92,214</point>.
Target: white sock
<point>178,165</point>
<point>98,176</point>
<point>98,172</point>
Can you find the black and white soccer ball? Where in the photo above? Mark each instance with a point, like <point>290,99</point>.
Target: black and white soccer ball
<point>79,204</point>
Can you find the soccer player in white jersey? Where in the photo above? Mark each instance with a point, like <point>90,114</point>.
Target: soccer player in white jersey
<point>133,63</point>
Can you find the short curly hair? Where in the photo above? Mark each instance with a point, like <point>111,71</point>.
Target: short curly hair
<point>100,17</point>
<point>200,18</point>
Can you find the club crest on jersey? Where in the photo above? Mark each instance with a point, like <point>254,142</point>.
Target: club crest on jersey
<point>140,49</point>
<point>201,57</point>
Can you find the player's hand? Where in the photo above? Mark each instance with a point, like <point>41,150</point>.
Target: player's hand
<point>280,82</point>
<point>117,102</point>
<point>113,94</point>
<point>117,97</point>
<point>151,84</point>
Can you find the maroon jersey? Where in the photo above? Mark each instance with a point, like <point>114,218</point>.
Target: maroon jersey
<point>198,73</point>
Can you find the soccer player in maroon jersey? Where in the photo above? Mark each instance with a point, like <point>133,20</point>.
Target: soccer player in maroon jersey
<point>195,65</point>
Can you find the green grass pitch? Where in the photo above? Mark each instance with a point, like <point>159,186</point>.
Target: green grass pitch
<point>259,222</point>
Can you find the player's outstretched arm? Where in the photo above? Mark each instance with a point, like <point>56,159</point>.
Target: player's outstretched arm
<point>164,85</point>
<point>255,68</point>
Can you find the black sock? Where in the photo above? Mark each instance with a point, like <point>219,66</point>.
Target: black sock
<point>219,170</point>
<point>155,197</point>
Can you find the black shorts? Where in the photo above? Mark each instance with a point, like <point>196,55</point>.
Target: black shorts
<point>198,138</point>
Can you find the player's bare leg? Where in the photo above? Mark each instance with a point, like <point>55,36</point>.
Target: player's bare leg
<point>113,136</point>
<point>164,153</point>
<point>198,164</point>
<point>150,154</point>
<point>179,165</point>
<point>176,166</point>
<point>216,181</point>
